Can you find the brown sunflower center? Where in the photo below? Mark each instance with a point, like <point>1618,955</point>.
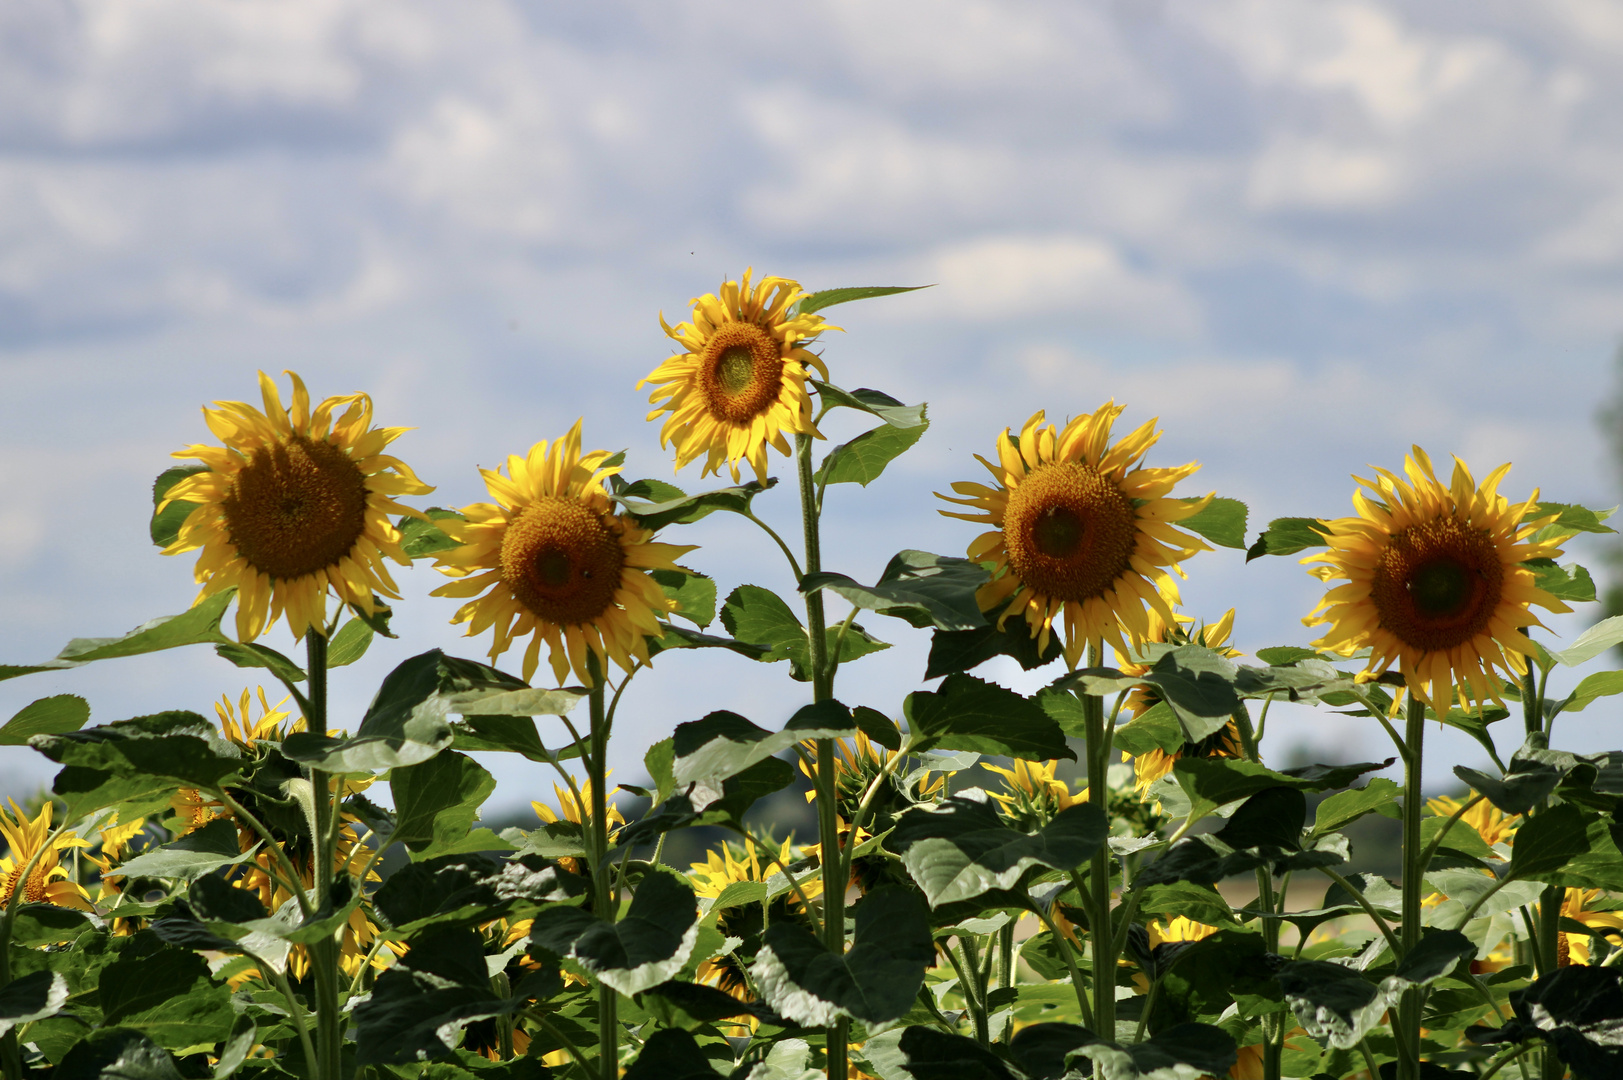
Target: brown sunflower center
<point>740,372</point>
<point>562,561</point>
<point>1436,584</point>
<point>1070,531</point>
<point>296,508</point>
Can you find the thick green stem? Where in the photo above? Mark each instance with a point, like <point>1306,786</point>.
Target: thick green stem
<point>1532,707</point>
<point>1005,972</point>
<point>1408,1033</point>
<point>324,954</point>
<point>603,906</point>
<point>1549,947</point>
<point>1273,1028</point>
<point>1100,933</point>
<point>827,789</point>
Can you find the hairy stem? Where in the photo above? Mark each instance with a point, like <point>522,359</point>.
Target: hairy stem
<point>1408,1033</point>
<point>323,953</point>
<point>1100,933</point>
<point>608,1030</point>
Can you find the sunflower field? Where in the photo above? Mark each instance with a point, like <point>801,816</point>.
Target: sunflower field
<point>1104,879</point>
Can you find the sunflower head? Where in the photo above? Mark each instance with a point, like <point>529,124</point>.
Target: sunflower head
<point>1435,580</point>
<point>578,812</point>
<point>1490,822</point>
<point>734,863</point>
<point>294,504</point>
<point>272,725</point>
<point>551,559</point>
<point>739,381</point>
<point>47,881</point>
<point>1032,794</point>
<point>1593,909</point>
<point>1079,533</point>
<point>1155,763</point>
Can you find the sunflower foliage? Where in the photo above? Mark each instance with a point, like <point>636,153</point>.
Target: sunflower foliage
<point>1107,878</point>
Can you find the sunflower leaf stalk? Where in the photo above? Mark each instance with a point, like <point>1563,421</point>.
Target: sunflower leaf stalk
<point>324,953</point>
<point>1101,932</point>
<point>603,903</point>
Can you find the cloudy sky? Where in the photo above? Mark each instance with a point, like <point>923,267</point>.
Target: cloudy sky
<point>1304,233</point>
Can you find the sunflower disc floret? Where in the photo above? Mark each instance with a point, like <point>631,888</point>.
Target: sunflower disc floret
<point>1079,533</point>
<point>1436,580</point>
<point>294,504</point>
<point>739,382</point>
<point>550,559</point>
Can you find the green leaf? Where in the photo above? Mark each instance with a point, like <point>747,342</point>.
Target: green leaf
<point>165,524</point>
<point>1215,782</point>
<point>690,508</point>
<point>168,996</point>
<point>419,1006</point>
<point>1592,688</point>
<point>673,1054</point>
<point>349,644</point>
<point>1180,1052</point>
<point>420,539</point>
<point>878,727</point>
<point>1222,521</point>
<point>46,924</point>
<point>823,298</point>
<point>197,626</point>
<point>1201,903</point>
<point>864,458</point>
<point>1156,728</point>
<point>923,589</point>
<point>197,853</point>
<point>1534,772</point>
<point>1460,839</point>
<point>1547,840</point>
<point>237,1046</point>
<point>647,946</point>
<point>1334,1004</point>
<point>1592,642</point>
<point>32,997</point>
<point>873,402</point>
<point>969,714</point>
<point>1379,796</point>
<point>759,617</point>
<point>724,744</point>
<point>1196,682</point>
<point>1285,655</point>
<point>116,1054</point>
<point>875,982</point>
<point>1265,831</point>
<point>960,848</point>
<point>150,753</point>
<point>1287,536</point>
<point>1577,1011</point>
<point>54,715</point>
<point>695,595</point>
<point>1570,582</point>
<point>918,1052</point>
<point>962,650</point>
<point>255,655</point>
<point>1435,956</point>
<point>1572,518</point>
<point>407,720</point>
<point>680,637</point>
<point>437,801</point>
<point>469,890</point>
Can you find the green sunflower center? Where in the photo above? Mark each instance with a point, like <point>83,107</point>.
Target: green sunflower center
<point>1437,584</point>
<point>740,372</point>
<point>562,560</point>
<point>1070,531</point>
<point>296,508</point>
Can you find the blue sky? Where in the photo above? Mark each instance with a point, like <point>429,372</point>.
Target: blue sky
<point>1304,233</point>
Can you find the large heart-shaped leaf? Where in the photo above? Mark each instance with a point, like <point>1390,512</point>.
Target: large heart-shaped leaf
<point>646,947</point>
<point>186,857</point>
<point>922,589</point>
<point>33,997</point>
<point>724,744</point>
<point>960,848</point>
<point>967,713</point>
<point>875,982</point>
<point>200,625</point>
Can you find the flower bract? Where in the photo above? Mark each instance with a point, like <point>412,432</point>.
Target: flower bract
<point>1436,580</point>
<point>1079,534</point>
<point>739,382</point>
<point>294,504</point>
<point>551,559</point>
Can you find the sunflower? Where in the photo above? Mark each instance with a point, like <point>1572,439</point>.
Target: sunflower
<point>1163,932</point>
<point>578,812</point>
<point>1033,794</point>
<point>293,504</point>
<point>48,882</point>
<point>558,563</point>
<point>740,381</point>
<point>1155,763</point>
<point>1574,948</point>
<point>855,769</point>
<point>744,921</point>
<point>1078,531</point>
<point>1491,823</point>
<point>1436,580</point>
